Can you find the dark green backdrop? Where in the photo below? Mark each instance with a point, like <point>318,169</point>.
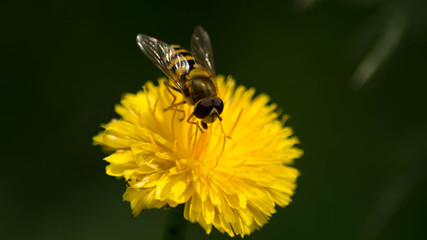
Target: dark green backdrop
<point>66,63</point>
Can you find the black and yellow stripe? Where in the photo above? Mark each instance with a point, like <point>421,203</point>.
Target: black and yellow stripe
<point>175,64</point>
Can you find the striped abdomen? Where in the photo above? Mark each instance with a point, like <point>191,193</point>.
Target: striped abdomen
<point>181,69</point>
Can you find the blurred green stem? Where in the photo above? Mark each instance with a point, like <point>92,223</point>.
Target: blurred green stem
<point>175,226</point>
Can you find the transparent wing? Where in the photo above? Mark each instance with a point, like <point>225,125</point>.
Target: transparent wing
<point>172,63</point>
<point>201,48</point>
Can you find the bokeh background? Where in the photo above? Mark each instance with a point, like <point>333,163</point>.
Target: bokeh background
<point>352,74</point>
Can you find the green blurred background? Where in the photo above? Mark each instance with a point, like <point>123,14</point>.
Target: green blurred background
<point>352,74</point>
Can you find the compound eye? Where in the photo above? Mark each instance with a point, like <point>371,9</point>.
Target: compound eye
<point>203,108</point>
<point>218,104</point>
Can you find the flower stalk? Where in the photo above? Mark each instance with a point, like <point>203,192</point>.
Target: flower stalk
<point>175,225</point>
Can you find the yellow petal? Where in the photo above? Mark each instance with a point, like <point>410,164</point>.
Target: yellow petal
<point>232,176</point>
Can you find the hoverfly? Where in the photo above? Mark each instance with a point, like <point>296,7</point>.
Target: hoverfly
<point>192,73</point>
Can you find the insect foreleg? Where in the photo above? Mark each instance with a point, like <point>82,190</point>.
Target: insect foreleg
<point>196,123</point>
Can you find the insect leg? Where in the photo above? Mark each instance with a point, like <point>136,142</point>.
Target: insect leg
<point>174,105</point>
<point>169,87</point>
<point>196,123</point>
<point>222,128</point>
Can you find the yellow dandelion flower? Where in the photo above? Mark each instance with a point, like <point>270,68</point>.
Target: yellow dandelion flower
<point>232,183</point>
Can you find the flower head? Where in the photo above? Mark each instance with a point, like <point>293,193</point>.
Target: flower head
<point>230,177</point>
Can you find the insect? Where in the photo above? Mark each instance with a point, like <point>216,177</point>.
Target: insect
<point>192,74</point>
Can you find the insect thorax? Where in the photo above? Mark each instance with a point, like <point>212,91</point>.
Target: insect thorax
<point>201,87</point>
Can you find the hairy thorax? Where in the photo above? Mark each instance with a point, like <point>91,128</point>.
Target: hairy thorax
<point>201,87</point>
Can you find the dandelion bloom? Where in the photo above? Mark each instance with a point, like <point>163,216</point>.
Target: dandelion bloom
<point>232,183</point>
